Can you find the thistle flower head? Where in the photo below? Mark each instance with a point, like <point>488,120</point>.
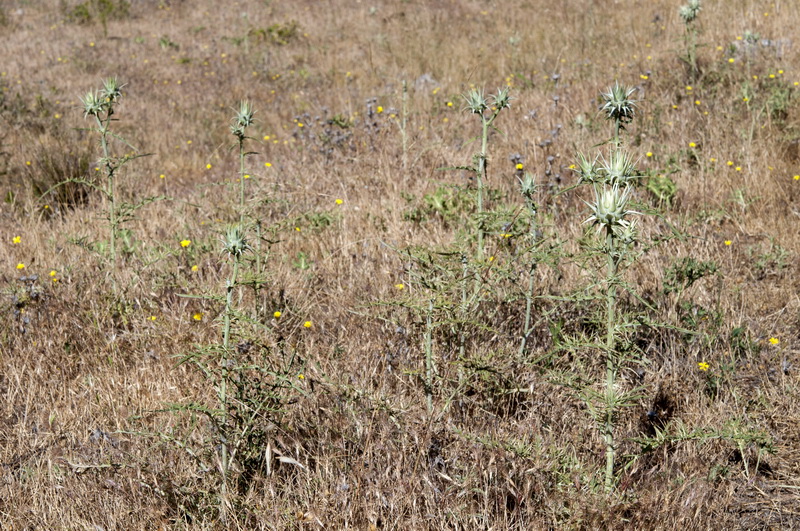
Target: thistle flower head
<point>619,168</point>
<point>92,104</point>
<point>244,116</point>
<point>242,120</point>
<point>111,91</point>
<point>235,242</point>
<point>476,101</point>
<point>587,170</point>
<point>528,186</point>
<point>610,207</point>
<point>618,104</point>
<point>689,11</point>
<point>502,100</point>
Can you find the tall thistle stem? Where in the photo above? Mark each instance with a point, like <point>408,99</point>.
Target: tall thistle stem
<point>611,369</point>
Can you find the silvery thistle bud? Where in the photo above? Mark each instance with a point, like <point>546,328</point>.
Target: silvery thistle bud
<point>690,11</point>
<point>619,168</point>
<point>235,243</point>
<point>586,170</point>
<point>92,105</point>
<point>528,186</point>
<point>618,103</point>
<point>610,207</point>
<point>244,116</point>
<point>112,90</point>
<point>476,102</point>
<point>502,100</point>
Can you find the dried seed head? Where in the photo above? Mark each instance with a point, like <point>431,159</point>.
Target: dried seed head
<point>618,103</point>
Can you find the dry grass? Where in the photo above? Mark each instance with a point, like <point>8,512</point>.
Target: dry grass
<point>83,376</point>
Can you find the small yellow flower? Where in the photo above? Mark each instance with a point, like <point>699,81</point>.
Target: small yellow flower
<point>16,239</point>
<point>519,166</point>
<point>52,272</point>
<point>688,87</point>
<point>729,163</point>
<point>198,316</point>
<point>301,376</point>
<point>712,159</point>
<point>491,258</point>
<point>399,286</point>
<point>20,266</point>
<point>774,341</point>
<point>208,166</point>
<point>339,201</point>
<point>506,235</point>
<point>307,324</point>
<point>692,145</point>
<point>246,175</point>
<point>268,164</point>
<point>738,168</point>
<point>703,366</point>
<point>300,124</point>
<point>731,60</point>
<point>152,317</point>
<point>195,268</point>
<point>379,109</point>
<point>162,176</point>
<point>728,242</point>
<point>697,102</point>
<point>797,177</point>
<point>186,243</point>
<point>297,229</point>
<point>276,315</point>
<point>449,103</point>
<point>648,154</point>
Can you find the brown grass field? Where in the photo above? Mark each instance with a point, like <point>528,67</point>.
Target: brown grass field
<point>106,422</point>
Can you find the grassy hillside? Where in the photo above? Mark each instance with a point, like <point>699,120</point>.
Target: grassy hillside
<point>339,310</point>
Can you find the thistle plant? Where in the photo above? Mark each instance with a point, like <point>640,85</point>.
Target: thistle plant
<point>612,180</point>
<point>487,108</point>
<point>689,12</point>
<point>101,105</point>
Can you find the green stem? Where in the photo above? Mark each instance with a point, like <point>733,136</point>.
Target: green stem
<point>529,294</point>
<point>223,386</point>
<point>241,180</point>
<point>611,370</point>
<point>480,176</point>
<point>429,357</point>
<point>111,194</point>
